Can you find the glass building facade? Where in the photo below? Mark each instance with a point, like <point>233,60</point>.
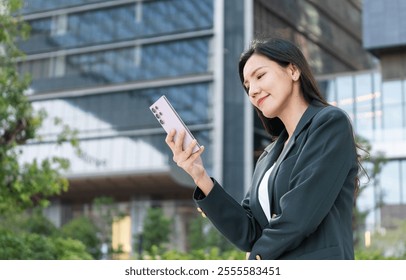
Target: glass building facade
<point>98,64</point>
<point>378,111</point>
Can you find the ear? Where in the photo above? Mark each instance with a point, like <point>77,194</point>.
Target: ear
<point>294,71</point>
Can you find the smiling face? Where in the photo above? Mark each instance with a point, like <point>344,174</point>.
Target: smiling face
<point>271,87</point>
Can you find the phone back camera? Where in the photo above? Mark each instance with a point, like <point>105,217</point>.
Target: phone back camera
<point>161,121</point>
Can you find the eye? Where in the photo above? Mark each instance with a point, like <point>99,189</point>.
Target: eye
<point>259,76</point>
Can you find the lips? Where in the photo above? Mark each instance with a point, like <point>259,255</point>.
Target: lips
<point>261,100</point>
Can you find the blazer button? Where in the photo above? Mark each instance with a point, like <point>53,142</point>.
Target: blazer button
<point>199,209</point>
<point>258,257</point>
<point>203,215</point>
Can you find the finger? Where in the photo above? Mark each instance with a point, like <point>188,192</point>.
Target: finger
<point>170,139</point>
<point>197,154</point>
<point>188,161</point>
<point>189,149</point>
<point>179,141</point>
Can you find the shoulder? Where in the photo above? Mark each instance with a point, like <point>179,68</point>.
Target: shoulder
<point>332,115</point>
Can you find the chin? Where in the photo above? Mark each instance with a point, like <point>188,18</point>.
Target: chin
<point>268,115</point>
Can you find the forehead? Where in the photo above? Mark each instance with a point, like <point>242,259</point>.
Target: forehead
<point>255,62</point>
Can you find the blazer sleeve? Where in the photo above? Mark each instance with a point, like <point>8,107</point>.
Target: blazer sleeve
<point>233,220</point>
<point>328,157</point>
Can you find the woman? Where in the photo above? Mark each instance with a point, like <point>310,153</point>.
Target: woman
<point>301,199</point>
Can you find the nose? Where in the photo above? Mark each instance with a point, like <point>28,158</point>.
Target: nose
<point>253,90</point>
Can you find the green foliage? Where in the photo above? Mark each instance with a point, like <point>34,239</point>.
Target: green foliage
<point>205,242</point>
<point>37,223</point>
<point>390,242</point>
<point>106,212</point>
<point>84,230</point>
<point>28,184</point>
<point>371,255</point>
<point>32,246</point>
<point>31,222</point>
<point>211,253</point>
<point>70,249</point>
<point>157,229</point>
<point>31,236</point>
<point>203,235</point>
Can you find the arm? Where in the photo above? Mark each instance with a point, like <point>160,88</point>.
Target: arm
<point>229,217</point>
<point>233,220</point>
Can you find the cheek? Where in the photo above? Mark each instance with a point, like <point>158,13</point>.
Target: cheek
<point>251,100</point>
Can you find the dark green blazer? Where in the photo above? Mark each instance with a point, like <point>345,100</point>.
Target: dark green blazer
<point>311,192</point>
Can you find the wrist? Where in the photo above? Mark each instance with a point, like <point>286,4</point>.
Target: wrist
<point>205,183</point>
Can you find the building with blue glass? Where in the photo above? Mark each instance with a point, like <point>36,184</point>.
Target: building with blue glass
<point>98,65</point>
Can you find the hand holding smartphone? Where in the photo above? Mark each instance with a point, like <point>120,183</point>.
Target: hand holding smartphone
<point>170,119</point>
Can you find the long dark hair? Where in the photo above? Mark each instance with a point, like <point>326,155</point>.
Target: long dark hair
<point>284,53</point>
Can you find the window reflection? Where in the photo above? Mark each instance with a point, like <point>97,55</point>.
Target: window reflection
<point>376,115</point>
<point>390,182</point>
<point>116,153</point>
<point>345,94</point>
<point>378,110</point>
<point>364,104</point>
<point>127,111</point>
<point>33,6</point>
<point>308,19</point>
<point>403,182</point>
<point>393,117</point>
<point>155,61</point>
<point>118,23</point>
<point>117,131</point>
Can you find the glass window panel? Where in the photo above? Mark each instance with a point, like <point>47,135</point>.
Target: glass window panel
<point>328,90</point>
<point>307,18</point>
<point>33,6</point>
<point>123,22</point>
<point>125,111</point>
<point>364,99</point>
<point>345,96</point>
<point>390,182</point>
<point>155,61</point>
<point>403,182</point>
<point>378,101</point>
<point>392,110</point>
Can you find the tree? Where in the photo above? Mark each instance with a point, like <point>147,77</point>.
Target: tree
<point>30,236</point>
<point>106,212</point>
<point>25,186</point>
<point>157,228</point>
<point>202,235</point>
<point>29,184</point>
<point>84,230</point>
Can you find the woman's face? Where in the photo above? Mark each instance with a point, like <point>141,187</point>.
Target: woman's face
<point>270,86</point>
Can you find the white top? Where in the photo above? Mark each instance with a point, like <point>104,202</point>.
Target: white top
<point>263,193</point>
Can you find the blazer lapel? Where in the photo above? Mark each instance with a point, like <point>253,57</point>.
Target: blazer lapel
<point>275,169</point>
<point>265,161</point>
<point>310,112</point>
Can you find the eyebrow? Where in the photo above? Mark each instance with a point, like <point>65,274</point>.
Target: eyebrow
<point>252,74</point>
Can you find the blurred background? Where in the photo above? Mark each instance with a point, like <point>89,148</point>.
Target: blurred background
<point>96,66</point>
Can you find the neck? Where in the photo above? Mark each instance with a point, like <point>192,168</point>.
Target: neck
<point>292,115</point>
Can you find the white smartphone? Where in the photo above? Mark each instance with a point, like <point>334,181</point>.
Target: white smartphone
<point>170,119</point>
